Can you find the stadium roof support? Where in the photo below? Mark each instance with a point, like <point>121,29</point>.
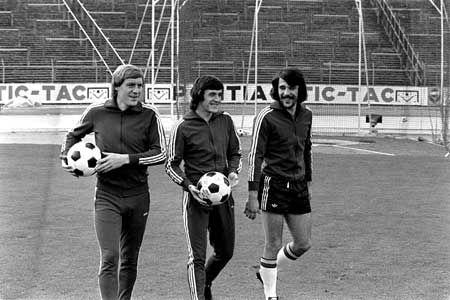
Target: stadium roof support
<point>361,51</point>
<point>444,105</point>
<point>173,26</point>
<point>87,35</point>
<point>253,52</point>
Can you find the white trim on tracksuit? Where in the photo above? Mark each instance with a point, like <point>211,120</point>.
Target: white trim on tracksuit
<point>191,269</point>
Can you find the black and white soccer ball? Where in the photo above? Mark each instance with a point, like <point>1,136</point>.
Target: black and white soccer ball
<point>83,157</point>
<point>214,188</point>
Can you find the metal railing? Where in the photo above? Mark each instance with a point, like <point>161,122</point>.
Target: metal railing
<point>93,24</point>
<point>399,40</point>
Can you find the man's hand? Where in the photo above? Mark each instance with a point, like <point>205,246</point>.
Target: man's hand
<point>309,189</point>
<point>111,161</point>
<point>66,167</point>
<point>233,178</point>
<point>196,194</point>
<point>252,205</point>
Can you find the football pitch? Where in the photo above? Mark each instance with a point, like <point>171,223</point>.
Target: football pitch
<point>381,228</point>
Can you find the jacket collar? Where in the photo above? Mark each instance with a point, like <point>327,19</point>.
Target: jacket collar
<point>112,104</point>
<point>277,106</point>
<point>192,115</point>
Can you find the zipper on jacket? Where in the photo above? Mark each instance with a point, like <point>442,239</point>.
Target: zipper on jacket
<point>212,144</point>
<point>121,133</point>
<point>297,146</point>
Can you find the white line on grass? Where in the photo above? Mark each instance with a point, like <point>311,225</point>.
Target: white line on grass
<point>364,150</point>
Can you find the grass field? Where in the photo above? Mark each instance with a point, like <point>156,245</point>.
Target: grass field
<point>381,229</point>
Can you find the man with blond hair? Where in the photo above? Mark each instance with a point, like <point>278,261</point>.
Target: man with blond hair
<point>131,137</point>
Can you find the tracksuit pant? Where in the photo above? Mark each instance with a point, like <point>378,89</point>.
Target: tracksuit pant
<point>120,222</point>
<point>198,220</point>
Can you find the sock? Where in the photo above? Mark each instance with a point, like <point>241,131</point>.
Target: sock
<point>286,255</point>
<point>268,272</point>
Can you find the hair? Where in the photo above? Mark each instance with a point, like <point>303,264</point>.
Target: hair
<point>201,84</point>
<point>292,76</point>
<point>122,73</point>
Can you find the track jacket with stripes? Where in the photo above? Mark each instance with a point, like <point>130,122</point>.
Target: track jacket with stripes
<point>203,146</point>
<point>281,145</point>
<point>136,131</point>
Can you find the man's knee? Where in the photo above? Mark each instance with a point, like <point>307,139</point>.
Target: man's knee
<point>110,260</point>
<point>110,257</point>
<point>273,246</point>
<point>225,254</point>
<point>128,261</point>
<point>197,261</point>
<point>129,257</point>
<point>300,248</point>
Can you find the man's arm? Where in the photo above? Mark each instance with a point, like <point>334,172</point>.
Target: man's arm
<point>234,151</point>
<point>83,127</point>
<point>156,153</point>
<point>257,149</point>
<point>175,157</point>
<point>255,158</point>
<point>308,160</point>
<point>308,156</point>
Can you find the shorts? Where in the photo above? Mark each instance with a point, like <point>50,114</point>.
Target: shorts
<point>283,197</point>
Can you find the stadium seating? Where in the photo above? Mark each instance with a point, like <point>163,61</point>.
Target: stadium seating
<point>6,18</point>
<point>17,56</point>
<point>11,37</point>
<point>321,36</point>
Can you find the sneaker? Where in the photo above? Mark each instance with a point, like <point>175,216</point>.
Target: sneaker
<point>258,276</point>
<point>208,294</point>
<point>272,298</point>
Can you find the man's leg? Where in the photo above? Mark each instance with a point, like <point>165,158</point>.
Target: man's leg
<point>108,223</point>
<point>133,228</point>
<point>273,235</point>
<point>221,237</point>
<point>300,228</point>
<point>195,219</point>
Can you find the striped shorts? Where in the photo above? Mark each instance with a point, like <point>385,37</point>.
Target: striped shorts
<point>283,197</point>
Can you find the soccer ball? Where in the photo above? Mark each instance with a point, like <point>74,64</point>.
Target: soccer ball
<point>214,188</point>
<point>243,132</point>
<point>83,157</point>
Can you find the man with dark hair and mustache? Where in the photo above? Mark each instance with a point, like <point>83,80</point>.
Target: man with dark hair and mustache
<point>280,167</point>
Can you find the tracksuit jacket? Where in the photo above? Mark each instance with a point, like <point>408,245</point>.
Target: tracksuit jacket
<point>203,146</point>
<point>120,131</point>
<point>281,145</point>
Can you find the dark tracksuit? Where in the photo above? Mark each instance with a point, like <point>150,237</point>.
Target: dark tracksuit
<point>283,143</point>
<point>203,147</point>
<point>122,197</point>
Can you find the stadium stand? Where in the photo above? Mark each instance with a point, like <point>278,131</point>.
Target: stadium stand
<point>6,18</point>
<point>215,37</point>
<point>11,37</point>
<point>17,56</point>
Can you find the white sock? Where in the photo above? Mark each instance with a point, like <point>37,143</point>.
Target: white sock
<point>285,256</point>
<point>268,272</point>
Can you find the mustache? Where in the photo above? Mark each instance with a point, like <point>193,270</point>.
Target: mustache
<point>288,97</point>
